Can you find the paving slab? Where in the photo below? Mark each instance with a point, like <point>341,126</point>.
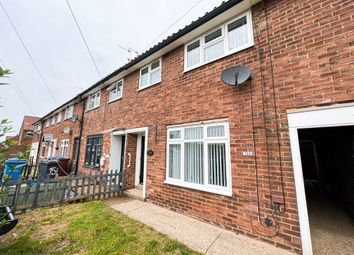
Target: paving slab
<point>197,235</point>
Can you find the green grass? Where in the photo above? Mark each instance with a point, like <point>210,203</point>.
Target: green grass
<point>88,228</point>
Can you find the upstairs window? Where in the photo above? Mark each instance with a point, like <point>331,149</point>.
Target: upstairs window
<point>226,39</point>
<point>47,123</point>
<point>93,151</point>
<point>53,120</point>
<point>115,91</point>
<point>93,101</point>
<point>69,112</point>
<point>198,157</point>
<point>150,74</point>
<point>59,117</point>
<point>38,128</point>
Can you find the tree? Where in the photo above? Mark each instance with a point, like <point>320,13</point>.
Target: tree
<point>5,148</point>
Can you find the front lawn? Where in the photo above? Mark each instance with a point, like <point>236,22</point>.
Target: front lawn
<point>87,228</point>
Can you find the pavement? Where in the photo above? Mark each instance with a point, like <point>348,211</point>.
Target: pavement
<point>197,235</point>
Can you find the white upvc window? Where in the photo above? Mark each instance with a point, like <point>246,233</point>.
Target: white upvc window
<point>93,101</point>
<point>59,117</point>
<point>64,148</point>
<point>53,120</point>
<point>47,123</point>
<point>198,157</point>
<point>38,128</point>
<point>228,38</point>
<point>69,112</point>
<point>115,91</point>
<point>150,74</point>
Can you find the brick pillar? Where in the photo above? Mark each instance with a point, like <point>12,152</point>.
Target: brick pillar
<point>131,143</point>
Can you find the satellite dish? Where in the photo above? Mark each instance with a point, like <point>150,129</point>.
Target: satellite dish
<point>236,75</point>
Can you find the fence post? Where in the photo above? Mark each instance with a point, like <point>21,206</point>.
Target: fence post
<point>36,193</point>
<point>17,191</point>
<point>94,186</point>
<point>101,183</point>
<point>27,193</point>
<point>110,183</point>
<point>105,185</point>
<point>62,195</point>
<point>69,187</point>
<point>116,183</point>
<point>88,190</point>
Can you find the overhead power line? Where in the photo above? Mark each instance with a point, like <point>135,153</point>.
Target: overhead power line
<point>185,14</point>
<point>29,55</point>
<point>18,91</point>
<point>83,38</point>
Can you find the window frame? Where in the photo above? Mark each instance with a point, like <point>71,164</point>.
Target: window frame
<point>112,87</point>
<point>47,123</point>
<point>59,115</point>
<point>221,190</point>
<point>53,120</point>
<point>149,84</point>
<point>64,143</point>
<point>69,112</point>
<point>101,145</point>
<point>225,37</point>
<point>87,107</point>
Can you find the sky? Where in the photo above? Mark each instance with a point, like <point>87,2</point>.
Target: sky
<point>49,33</point>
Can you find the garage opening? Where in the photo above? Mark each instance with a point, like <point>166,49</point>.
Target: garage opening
<point>327,157</point>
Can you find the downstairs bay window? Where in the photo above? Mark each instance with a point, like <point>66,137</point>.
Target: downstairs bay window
<point>198,157</point>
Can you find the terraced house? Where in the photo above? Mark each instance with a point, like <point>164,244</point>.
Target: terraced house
<point>236,156</point>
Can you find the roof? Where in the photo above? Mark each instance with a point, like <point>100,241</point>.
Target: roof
<point>193,25</point>
<point>28,122</point>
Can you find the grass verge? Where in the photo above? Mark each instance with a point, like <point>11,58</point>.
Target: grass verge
<point>87,228</point>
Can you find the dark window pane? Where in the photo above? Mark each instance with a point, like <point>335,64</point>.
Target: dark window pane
<point>212,36</point>
<point>145,70</point>
<point>156,64</point>
<point>236,24</point>
<point>193,46</point>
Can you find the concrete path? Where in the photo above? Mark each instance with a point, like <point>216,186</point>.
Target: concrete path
<point>197,235</point>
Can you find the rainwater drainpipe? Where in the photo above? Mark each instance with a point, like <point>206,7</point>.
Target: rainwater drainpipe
<point>40,143</point>
<point>80,135</point>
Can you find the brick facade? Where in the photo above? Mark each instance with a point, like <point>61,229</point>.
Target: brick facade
<point>66,129</point>
<point>130,162</point>
<point>302,57</point>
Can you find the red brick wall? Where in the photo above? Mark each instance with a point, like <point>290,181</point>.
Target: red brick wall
<point>131,144</point>
<point>312,49</point>
<point>57,130</point>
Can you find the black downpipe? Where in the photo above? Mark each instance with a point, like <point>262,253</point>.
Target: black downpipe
<point>80,135</point>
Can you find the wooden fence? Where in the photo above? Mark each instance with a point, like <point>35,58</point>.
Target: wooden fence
<point>33,194</point>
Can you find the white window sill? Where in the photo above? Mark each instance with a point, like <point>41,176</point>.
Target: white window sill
<point>246,46</point>
<point>149,86</point>
<point>227,193</point>
<point>88,110</point>
<point>116,99</point>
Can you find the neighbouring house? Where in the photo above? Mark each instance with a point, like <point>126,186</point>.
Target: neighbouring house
<point>26,139</point>
<point>237,156</point>
<point>60,132</point>
<point>27,135</point>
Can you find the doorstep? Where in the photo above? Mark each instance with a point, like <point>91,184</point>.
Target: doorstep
<point>197,235</point>
<point>136,193</point>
